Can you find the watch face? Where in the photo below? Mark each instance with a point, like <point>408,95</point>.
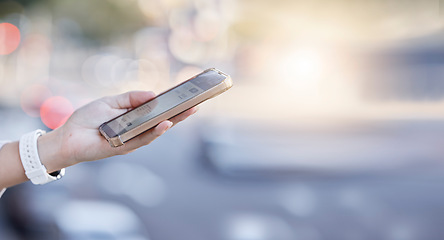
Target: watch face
<point>55,174</point>
<point>2,191</point>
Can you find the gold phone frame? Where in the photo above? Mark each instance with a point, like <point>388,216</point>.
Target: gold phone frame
<point>119,140</point>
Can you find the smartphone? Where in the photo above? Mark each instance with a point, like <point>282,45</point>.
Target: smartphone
<point>166,105</point>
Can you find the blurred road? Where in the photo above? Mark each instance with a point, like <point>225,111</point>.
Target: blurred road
<point>177,192</point>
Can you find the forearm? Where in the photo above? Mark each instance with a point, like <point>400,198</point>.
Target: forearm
<point>11,169</point>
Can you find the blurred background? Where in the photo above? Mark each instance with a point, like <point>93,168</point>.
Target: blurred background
<point>333,129</point>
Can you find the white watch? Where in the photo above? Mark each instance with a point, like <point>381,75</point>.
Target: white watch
<point>34,169</point>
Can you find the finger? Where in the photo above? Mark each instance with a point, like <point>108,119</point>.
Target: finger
<point>184,115</point>
<point>150,135</point>
<point>130,99</point>
<point>161,128</point>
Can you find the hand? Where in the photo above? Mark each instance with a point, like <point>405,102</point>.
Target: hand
<point>79,140</point>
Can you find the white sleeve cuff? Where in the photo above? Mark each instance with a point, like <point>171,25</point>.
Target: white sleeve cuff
<point>2,191</point>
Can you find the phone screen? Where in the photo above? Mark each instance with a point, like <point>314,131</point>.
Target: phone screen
<point>164,102</point>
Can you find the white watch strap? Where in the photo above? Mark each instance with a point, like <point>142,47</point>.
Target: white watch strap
<point>29,156</point>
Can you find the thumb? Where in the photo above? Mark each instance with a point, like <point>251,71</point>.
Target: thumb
<point>130,99</point>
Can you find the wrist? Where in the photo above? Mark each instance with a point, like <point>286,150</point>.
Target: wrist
<point>51,151</point>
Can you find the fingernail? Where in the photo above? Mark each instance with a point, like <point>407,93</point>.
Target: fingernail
<point>170,124</point>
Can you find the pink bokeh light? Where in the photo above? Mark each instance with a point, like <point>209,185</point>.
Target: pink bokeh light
<point>9,38</point>
<point>55,111</point>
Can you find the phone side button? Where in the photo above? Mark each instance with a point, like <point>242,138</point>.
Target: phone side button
<point>116,141</point>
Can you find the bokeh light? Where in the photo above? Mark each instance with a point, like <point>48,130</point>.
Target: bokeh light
<point>303,69</point>
<point>247,226</point>
<point>207,25</point>
<point>154,11</point>
<point>33,97</point>
<point>2,72</point>
<point>55,111</point>
<point>9,38</point>
<point>35,53</point>
<point>111,71</point>
<point>185,46</point>
<point>187,72</point>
